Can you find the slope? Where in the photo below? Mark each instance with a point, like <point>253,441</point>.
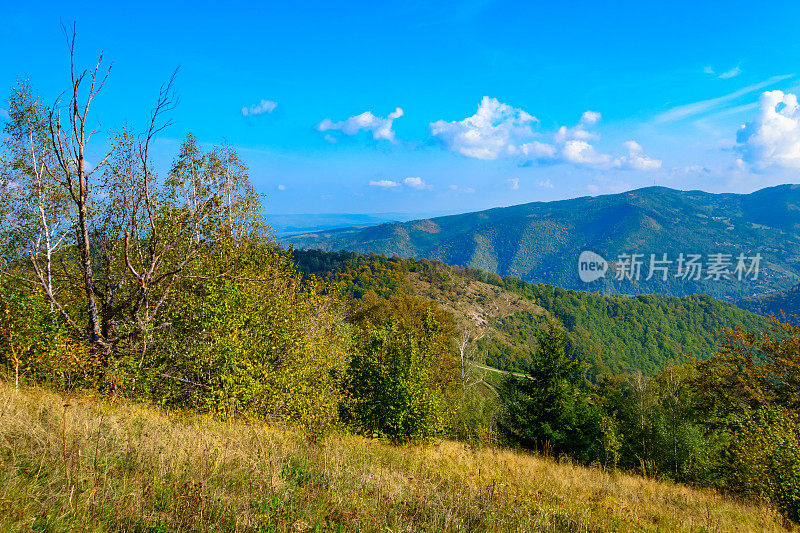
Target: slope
<point>612,334</point>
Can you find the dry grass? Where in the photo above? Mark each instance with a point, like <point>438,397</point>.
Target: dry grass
<point>87,463</point>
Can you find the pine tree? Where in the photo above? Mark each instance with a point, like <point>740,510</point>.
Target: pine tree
<point>546,409</point>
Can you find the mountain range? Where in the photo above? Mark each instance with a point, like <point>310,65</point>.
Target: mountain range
<point>541,242</point>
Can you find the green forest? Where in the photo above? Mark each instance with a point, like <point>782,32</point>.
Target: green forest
<point>612,334</point>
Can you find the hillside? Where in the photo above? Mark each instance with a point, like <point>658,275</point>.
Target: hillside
<point>541,241</point>
<point>612,334</point>
<point>69,463</point>
<point>776,303</point>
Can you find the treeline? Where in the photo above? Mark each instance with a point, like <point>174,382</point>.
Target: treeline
<point>708,398</point>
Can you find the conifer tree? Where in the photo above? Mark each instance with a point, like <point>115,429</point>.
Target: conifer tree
<point>546,408</point>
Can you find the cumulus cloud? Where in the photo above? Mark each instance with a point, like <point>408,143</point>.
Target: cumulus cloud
<point>773,138</point>
<point>500,130</point>
<point>494,130</point>
<point>464,190</point>
<point>384,184</point>
<point>590,118</point>
<point>416,183</point>
<point>579,132</point>
<point>513,183</point>
<point>381,128</point>
<point>538,150</point>
<point>281,187</point>
<point>572,145</point>
<point>583,153</point>
<point>546,184</point>
<point>264,106</point>
<point>636,159</point>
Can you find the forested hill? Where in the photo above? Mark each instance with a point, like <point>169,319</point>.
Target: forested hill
<point>611,333</point>
<point>778,303</point>
<point>541,241</point>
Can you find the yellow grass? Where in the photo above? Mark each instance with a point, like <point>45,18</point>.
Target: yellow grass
<point>85,463</point>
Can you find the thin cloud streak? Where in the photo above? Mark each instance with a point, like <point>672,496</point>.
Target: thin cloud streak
<point>696,108</point>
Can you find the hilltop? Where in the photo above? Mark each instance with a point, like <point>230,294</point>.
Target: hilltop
<point>541,241</point>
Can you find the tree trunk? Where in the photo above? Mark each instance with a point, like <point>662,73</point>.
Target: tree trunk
<point>95,333</point>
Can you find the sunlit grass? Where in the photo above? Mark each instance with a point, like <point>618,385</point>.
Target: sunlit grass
<point>84,463</point>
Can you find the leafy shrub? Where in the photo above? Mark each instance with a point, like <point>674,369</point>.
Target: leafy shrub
<point>765,458</point>
<point>262,344</point>
<point>400,367</point>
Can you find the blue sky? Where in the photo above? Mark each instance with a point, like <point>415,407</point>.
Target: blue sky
<point>433,107</point>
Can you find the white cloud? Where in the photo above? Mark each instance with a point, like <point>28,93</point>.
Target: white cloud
<point>380,127</point>
<point>416,183</point>
<point>498,129</point>
<point>571,145</point>
<point>264,106</point>
<point>384,184</point>
<point>281,187</point>
<point>590,118</point>
<point>546,184</point>
<point>494,130</point>
<point>465,190</point>
<point>732,73</point>
<point>636,159</point>
<point>696,108</point>
<point>583,153</point>
<point>632,146</point>
<point>773,138</point>
<point>513,183</point>
<point>538,150</point>
<point>579,132</point>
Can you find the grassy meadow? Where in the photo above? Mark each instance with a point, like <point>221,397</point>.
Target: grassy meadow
<point>85,463</point>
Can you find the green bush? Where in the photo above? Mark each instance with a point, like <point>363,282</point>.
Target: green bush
<point>263,344</point>
<point>395,382</point>
<point>765,458</point>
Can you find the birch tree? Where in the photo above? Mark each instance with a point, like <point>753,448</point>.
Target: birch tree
<point>36,218</point>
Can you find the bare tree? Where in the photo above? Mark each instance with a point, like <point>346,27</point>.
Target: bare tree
<point>639,384</point>
<point>466,353</point>
<point>69,146</point>
<point>671,388</point>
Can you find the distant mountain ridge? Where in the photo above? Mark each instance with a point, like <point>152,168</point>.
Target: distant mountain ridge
<point>541,241</point>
